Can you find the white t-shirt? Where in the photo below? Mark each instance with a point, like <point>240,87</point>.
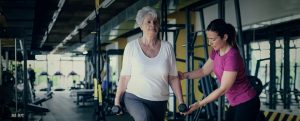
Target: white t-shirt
<point>149,76</point>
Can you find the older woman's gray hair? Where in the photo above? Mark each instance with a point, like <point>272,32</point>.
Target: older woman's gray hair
<point>147,10</point>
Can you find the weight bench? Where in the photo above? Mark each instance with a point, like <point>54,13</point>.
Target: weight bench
<point>37,109</point>
<point>41,100</point>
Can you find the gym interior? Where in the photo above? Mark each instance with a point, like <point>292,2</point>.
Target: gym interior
<point>73,51</point>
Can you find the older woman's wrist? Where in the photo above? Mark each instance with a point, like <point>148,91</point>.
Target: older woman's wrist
<point>180,100</point>
<point>117,102</point>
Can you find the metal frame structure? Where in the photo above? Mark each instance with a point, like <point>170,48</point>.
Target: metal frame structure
<point>108,54</point>
<point>286,76</point>
<point>97,60</point>
<point>174,28</point>
<point>272,88</point>
<point>25,95</point>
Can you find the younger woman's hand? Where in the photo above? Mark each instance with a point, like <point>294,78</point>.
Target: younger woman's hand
<point>192,108</point>
<point>180,75</point>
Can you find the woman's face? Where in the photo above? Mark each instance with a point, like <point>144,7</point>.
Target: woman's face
<point>150,26</point>
<point>215,41</point>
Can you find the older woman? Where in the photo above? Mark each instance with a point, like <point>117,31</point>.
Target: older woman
<point>149,67</point>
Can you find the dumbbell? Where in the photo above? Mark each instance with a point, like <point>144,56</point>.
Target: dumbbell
<point>116,109</point>
<point>182,107</point>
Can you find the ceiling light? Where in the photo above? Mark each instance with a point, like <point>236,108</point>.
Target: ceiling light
<point>61,3</point>
<point>44,73</point>
<point>73,73</point>
<point>54,17</point>
<point>74,32</point>
<point>58,73</point>
<point>85,52</point>
<point>60,45</point>
<point>82,25</point>
<point>106,3</point>
<point>69,37</point>
<point>92,16</point>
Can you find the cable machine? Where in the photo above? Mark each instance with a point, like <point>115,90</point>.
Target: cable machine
<point>97,60</point>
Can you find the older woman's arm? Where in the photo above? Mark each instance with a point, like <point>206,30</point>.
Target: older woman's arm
<point>122,85</point>
<point>176,87</point>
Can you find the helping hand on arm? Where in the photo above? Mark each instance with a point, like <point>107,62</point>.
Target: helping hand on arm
<point>199,73</point>
<point>228,79</point>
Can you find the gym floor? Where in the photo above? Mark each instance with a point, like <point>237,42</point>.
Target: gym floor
<point>63,108</point>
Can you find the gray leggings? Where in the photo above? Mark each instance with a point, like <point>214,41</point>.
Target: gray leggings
<point>145,110</point>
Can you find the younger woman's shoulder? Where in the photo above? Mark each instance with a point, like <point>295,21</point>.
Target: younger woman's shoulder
<point>235,50</point>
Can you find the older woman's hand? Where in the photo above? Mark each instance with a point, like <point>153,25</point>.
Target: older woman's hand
<point>193,107</point>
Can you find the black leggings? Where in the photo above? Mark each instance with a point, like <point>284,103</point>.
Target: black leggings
<point>247,111</point>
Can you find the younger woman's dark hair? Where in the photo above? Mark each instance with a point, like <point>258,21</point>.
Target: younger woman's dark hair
<point>221,28</point>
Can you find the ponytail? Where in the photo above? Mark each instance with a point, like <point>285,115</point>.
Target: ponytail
<point>221,28</point>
